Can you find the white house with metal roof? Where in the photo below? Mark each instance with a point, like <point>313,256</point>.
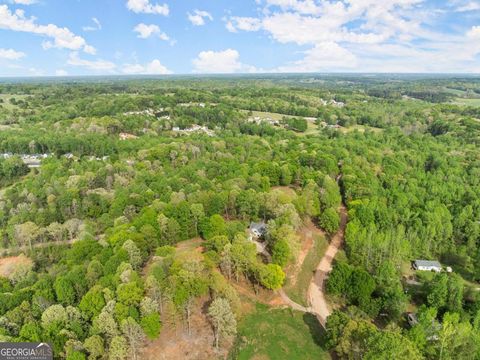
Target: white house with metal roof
<point>427,265</point>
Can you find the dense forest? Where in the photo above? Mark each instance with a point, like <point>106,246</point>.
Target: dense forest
<point>128,170</point>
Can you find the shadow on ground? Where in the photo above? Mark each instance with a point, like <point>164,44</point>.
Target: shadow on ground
<point>316,330</point>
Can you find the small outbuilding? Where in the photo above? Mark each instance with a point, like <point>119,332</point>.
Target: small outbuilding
<point>427,265</point>
<point>258,230</point>
<point>412,319</point>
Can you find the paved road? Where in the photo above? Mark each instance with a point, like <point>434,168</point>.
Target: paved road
<point>316,296</point>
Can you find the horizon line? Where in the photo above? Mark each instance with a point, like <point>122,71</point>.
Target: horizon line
<point>266,74</point>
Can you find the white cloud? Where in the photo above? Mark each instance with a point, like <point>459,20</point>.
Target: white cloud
<point>198,17</point>
<point>303,7</point>
<point>24,2</point>
<point>466,6</point>
<point>295,28</point>
<point>61,37</point>
<point>220,62</point>
<point>11,54</point>
<point>36,72</point>
<point>144,6</point>
<point>145,31</point>
<point>311,22</point>
<point>474,33</point>
<point>153,68</point>
<point>97,25</point>
<point>326,56</point>
<point>61,72</point>
<point>97,65</point>
<point>243,23</point>
<point>368,35</point>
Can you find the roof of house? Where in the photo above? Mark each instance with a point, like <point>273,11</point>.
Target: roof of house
<point>428,263</point>
<point>260,226</point>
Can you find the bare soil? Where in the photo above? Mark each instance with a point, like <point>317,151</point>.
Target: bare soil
<point>174,343</point>
<point>316,291</point>
<point>8,265</point>
<point>190,247</point>
<point>306,233</point>
<point>264,296</point>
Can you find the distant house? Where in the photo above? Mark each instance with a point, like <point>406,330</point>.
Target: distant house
<point>126,136</point>
<point>258,230</point>
<point>337,103</point>
<point>32,163</point>
<point>427,265</point>
<point>34,160</point>
<point>412,319</point>
<point>193,129</point>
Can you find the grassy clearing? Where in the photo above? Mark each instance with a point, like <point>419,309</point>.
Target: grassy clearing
<point>311,129</point>
<point>276,116</point>
<point>277,334</point>
<point>270,115</point>
<point>360,128</point>
<point>406,269</point>
<point>467,102</point>
<point>189,249</point>
<point>456,92</point>
<point>6,100</point>
<point>298,291</point>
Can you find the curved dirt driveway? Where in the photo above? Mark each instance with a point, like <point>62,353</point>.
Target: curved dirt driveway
<point>316,296</point>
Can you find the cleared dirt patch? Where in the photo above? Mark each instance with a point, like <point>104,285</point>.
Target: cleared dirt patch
<point>174,342</point>
<point>316,293</point>
<point>306,233</point>
<point>263,296</point>
<point>286,190</point>
<point>9,265</point>
<point>189,248</point>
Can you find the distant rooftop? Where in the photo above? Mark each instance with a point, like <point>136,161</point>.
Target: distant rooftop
<point>260,226</point>
<point>428,263</point>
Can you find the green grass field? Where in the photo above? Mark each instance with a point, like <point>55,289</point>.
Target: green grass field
<point>467,102</point>
<point>6,100</point>
<point>279,334</point>
<point>360,128</point>
<point>298,291</point>
<point>312,127</point>
<point>264,115</point>
<point>456,92</point>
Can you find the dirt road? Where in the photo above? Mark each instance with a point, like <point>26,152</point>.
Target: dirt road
<point>316,296</point>
<point>295,306</point>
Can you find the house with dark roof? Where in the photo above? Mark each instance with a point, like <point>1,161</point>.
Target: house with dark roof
<point>258,230</point>
<point>412,319</point>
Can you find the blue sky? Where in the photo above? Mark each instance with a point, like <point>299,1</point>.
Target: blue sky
<point>102,37</point>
